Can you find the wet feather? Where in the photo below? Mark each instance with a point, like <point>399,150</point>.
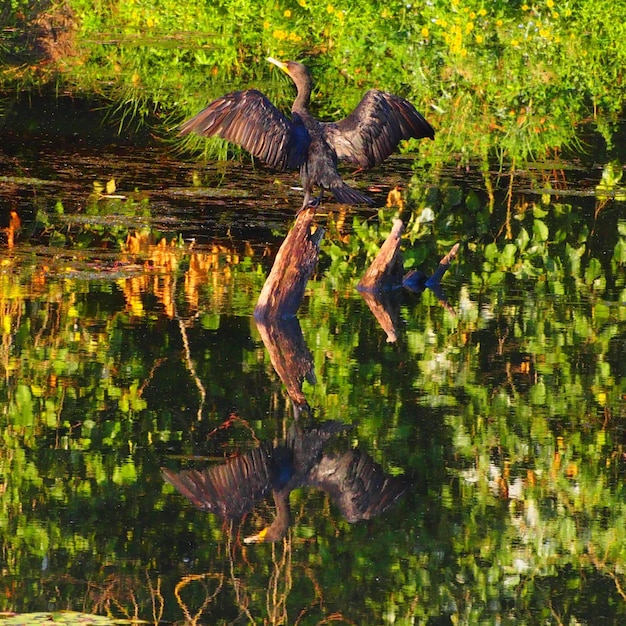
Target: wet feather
<point>366,137</point>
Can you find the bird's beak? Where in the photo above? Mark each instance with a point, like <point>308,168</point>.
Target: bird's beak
<point>279,64</point>
<point>260,538</point>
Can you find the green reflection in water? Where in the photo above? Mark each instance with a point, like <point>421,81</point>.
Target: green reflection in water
<point>507,418</point>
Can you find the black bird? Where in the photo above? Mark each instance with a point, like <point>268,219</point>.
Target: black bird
<point>355,483</point>
<point>365,138</point>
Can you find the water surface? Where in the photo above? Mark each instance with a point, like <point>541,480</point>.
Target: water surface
<point>503,411</point>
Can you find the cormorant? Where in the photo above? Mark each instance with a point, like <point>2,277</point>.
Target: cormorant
<point>366,137</point>
<point>355,483</point>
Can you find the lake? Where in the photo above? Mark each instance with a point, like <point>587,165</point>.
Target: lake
<point>471,471</point>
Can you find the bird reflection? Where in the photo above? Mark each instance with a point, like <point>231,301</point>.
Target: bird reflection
<point>364,138</point>
<point>356,484</point>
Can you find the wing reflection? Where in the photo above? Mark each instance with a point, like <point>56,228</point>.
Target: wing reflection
<point>356,484</point>
<point>232,489</point>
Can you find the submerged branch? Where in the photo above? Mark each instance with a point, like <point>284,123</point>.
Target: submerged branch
<point>190,366</point>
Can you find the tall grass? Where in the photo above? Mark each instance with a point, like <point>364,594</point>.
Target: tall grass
<point>500,79</point>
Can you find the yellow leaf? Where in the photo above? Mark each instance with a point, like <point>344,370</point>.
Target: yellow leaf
<point>36,390</point>
<point>111,186</point>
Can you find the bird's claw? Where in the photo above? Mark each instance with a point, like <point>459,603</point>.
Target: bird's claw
<point>309,204</point>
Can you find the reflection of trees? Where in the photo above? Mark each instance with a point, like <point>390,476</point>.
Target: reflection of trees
<point>284,577</point>
<point>212,271</point>
<point>118,595</point>
<point>510,418</point>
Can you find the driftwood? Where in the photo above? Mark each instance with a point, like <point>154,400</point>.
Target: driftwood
<point>296,259</point>
<point>280,298</point>
<point>386,269</point>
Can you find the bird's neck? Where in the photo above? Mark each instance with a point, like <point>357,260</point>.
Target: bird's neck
<point>283,510</point>
<point>301,103</point>
<point>279,527</point>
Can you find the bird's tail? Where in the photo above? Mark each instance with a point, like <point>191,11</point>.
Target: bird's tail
<point>347,195</point>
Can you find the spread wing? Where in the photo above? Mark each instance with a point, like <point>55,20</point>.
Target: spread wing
<point>229,490</point>
<point>250,120</point>
<point>373,130</point>
<point>356,484</point>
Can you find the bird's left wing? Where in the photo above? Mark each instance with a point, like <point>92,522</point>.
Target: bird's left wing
<point>250,120</point>
<point>373,130</point>
<point>230,489</point>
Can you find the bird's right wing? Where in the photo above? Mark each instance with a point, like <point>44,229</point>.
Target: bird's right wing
<point>250,120</point>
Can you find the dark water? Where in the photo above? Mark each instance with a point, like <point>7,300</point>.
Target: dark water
<point>495,423</point>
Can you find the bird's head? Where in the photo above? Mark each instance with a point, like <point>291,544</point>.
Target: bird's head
<point>279,527</point>
<point>296,71</point>
<point>270,534</point>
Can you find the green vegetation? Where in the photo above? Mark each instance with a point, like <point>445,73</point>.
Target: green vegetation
<point>507,418</point>
<point>508,80</point>
<point>123,349</point>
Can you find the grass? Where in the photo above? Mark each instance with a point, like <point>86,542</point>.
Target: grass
<point>505,81</point>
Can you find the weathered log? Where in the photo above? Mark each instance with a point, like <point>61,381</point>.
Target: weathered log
<point>386,270</point>
<point>296,259</point>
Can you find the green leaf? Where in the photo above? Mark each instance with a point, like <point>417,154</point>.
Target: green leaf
<point>472,201</point>
<point>540,231</point>
<point>507,258</point>
<point>522,239</point>
<point>24,401</point>
<point>491,252</point>
<point>538,393</point>
<point>619,252</point>
<point>593,271</point>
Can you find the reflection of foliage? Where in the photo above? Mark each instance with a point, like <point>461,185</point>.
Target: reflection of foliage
<point>609,184</point>
<point>508,418</point>
<point>532,431</point>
